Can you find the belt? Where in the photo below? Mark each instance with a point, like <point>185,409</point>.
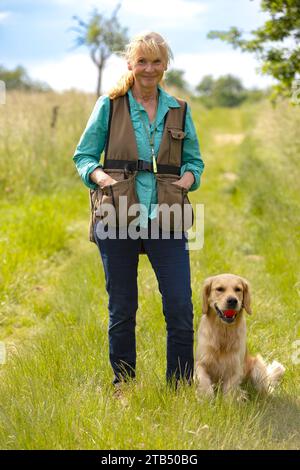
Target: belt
<point>139,165</point>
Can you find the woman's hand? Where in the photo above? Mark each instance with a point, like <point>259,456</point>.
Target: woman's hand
<point>107,182</point>
<point>185,181</point>
<point>101,178</point>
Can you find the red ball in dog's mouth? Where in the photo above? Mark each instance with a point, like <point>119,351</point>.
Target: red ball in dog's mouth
<point>229,313</point>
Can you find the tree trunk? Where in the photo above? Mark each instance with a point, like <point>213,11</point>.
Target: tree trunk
<point>99,80</point>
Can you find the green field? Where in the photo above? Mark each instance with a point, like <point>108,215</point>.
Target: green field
<point>55,386</point>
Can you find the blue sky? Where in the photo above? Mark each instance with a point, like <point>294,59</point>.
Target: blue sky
<point>37,35</point>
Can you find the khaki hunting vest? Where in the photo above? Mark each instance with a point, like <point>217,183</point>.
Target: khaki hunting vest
<point>121,162</point>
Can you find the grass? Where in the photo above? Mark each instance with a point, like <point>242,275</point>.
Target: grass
<point>56,385</point>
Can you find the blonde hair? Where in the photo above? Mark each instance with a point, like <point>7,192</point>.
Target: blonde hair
<point>150,44</point>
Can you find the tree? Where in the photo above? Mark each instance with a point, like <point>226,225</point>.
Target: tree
<point>226,91</point>
<point>276,43</point>
<point>174,77</point>
<point>206,85</point>
<point>229,91</point>
<point>103,37</point>
<point>18,79</point>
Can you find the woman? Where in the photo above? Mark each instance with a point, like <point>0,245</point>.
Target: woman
<point>152,155</point>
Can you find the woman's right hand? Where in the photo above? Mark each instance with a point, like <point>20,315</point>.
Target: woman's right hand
<point>102,179</point>
<point>107,182</point>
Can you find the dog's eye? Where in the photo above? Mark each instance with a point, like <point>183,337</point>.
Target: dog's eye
<point>238,289</point>
<point>220,289</point>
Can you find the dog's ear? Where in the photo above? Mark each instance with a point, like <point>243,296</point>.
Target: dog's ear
<point>206,292</point>
<point>246,296</point>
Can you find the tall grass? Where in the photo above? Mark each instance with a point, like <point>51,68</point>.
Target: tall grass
<point>56,385</point>
<point>40,199</point>
<point>35,154</point>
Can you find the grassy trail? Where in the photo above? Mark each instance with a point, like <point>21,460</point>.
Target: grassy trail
<point>56,385</point>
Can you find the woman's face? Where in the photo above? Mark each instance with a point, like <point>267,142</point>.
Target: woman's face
<point>147,71</point>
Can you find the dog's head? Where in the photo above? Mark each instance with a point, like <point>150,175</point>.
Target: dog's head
<point>226,295</point>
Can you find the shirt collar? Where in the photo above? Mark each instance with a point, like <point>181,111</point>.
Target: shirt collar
<point>167,99</point>
<point>166,102</point>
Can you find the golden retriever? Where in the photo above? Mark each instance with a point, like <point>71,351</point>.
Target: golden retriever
<point>221,354</point>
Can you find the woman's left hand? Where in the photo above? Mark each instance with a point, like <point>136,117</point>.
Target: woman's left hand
<point>185,181</point>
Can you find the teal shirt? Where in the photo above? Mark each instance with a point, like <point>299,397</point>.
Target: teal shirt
<point>93,139</point>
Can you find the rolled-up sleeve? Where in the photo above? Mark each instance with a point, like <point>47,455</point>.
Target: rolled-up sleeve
<point>92,142</point>
<point>191,156</point>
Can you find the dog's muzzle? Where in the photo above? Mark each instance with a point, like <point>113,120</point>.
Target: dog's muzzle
<point>223,317</point>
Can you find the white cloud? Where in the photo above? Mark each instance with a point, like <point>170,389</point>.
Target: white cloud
<point>236,63</point>
<point>78,71</point>
<point>173,14</point>
<point>4,15</point>
<point>159,14</point>
<point>72,3</point>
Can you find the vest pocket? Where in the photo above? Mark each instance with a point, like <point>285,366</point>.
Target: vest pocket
<point>115,200</point>
<point>176,137</point>
<point>123,194</point>
<point>188,211</point>
<point>180,217</point>
<point>94,195</point>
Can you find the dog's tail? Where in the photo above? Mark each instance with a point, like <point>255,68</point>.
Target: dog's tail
<point>265,377</point>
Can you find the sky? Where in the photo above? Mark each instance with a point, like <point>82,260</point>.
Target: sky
<point>38,35</point>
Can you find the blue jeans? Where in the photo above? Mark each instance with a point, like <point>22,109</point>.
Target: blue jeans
<point>170,261</point>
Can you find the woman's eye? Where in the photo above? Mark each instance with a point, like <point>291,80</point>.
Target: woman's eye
<point>141,61</point>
